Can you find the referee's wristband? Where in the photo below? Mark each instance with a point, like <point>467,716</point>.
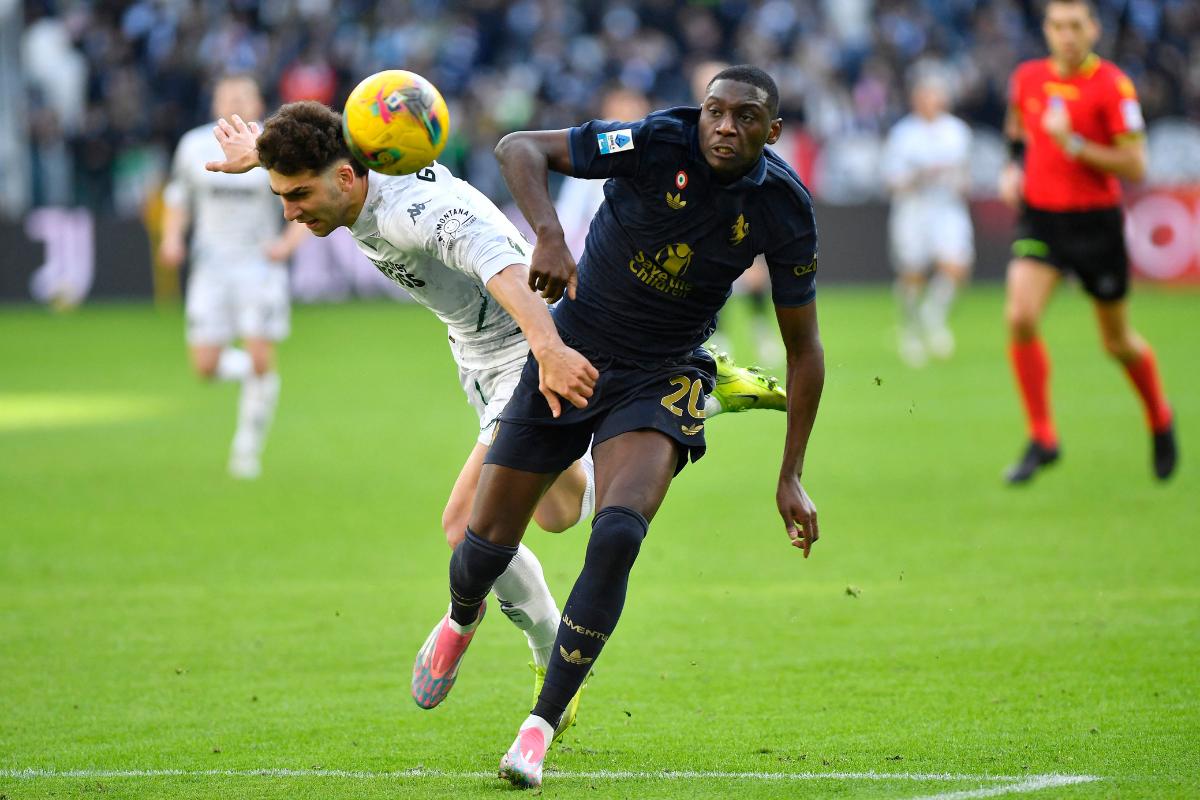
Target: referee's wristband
<point>1074,145</point>
<point>1016,150</point>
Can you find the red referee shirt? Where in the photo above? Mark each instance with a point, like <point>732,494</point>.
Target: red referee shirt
<point>1104,108</point>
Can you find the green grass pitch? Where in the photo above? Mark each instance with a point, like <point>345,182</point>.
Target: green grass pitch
<point>168,632</point>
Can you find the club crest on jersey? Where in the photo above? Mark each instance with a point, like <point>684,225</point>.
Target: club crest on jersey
<point>740,229</point>
<point>675,202</point>
<point>615,141</point>
<point>681,180</point>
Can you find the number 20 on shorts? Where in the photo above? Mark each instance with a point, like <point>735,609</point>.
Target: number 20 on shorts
<point>692,389</point>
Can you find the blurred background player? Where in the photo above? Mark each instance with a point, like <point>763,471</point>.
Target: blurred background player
<point>1077,120</point>
<point>925,163</point>
<point>237,287</point>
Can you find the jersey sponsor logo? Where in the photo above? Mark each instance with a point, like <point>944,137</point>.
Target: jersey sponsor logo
<point>615,141</point>
<point>584,631</point>
<point>398,273</point>
<point>574,657</point>
<point>1131,113</point>
<point>681,180</point>
<point>675,202</point>
<point>451,224</point>
<point>415,210</point>
<point>805,269</point>
<point>740,229</point>
<point>664,270</point>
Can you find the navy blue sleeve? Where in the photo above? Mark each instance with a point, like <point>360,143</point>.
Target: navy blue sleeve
<point>792,262</point>
<point>602,149</point>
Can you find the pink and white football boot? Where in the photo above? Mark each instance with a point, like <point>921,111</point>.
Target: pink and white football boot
<point>438,660</point>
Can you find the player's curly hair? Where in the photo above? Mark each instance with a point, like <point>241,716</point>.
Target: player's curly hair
<point>304,137</point>
<point>746,73</point>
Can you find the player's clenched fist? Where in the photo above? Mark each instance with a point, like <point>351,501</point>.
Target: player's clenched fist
<point>552,269</point>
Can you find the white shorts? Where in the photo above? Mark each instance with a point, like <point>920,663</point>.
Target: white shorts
<point>924,235</point>
<point>488,391</point>
<point>245,302</point>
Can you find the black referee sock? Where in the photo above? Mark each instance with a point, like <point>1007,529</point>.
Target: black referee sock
<point>474,567</point>
<point>592,610</point>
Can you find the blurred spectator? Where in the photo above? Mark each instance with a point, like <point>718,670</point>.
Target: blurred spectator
<point>114,85</point>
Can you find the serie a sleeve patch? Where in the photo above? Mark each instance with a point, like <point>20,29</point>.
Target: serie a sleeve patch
<point>615,141</point>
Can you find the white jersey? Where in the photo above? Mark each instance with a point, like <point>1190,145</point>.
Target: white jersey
<point>233,217</point>
<point>931,157</point>
<point>443,240</point>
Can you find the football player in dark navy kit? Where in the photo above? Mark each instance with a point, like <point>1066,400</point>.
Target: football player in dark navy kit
<point>692,197</point>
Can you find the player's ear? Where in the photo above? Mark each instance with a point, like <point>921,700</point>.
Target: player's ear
<point>344,176</point>
<point>775,130</point>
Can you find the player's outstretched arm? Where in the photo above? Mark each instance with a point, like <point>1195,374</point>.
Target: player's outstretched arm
<point>564,372</point>
<point>237,140</point>
<point>526,158</point>
<point>805,379</point>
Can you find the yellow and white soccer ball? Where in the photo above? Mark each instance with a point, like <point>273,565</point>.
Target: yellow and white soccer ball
<point>395,122</point>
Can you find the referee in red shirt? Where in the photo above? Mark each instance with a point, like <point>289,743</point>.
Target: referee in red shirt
<point>1076,119</point>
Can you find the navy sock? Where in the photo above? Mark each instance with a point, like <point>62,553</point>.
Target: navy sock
<point>474,567</point>
<point>592,610</point>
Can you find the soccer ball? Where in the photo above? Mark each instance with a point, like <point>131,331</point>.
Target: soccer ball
<point>395,122</point>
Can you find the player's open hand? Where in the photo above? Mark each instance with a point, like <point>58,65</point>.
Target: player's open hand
<point>552,269</point>
<point>564,374</point>
<point>1011,178</point>
<point>798,512</point>
<point>237,140</point>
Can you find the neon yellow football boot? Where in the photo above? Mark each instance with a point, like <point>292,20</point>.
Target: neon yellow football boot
<point>746,388</point>
<point>568,717</point>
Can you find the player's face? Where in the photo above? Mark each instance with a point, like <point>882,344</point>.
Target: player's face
<point>1071,31</point>
<point>314,199</point>
<point>929,100</point>
<point>237,96</point>
<point>735,124</point>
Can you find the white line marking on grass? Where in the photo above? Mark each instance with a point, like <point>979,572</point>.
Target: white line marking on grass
<point>1009,784</point>
<point>1033,783</point>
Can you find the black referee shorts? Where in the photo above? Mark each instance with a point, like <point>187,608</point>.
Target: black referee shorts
<point>1088,244</point>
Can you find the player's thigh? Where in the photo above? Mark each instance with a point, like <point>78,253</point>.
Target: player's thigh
<point>560,507</point>
<point>462,496</point>
<point>1028,287</point>
<point>209,311</point>
<point>504,502</point>
<point>634,470</point>
<point>909,240</point>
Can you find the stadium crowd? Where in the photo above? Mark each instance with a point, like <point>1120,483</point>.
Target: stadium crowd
<point>109,87</point>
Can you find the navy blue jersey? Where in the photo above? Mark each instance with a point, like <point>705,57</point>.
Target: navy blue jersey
<point>669,240</point>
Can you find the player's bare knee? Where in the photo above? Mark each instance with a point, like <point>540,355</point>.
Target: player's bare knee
<point>205,368</point>
<point>552,518</point>
<point>1122,348</point>
<point>1021,321</point>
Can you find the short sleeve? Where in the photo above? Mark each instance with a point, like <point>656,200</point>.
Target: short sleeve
<point>601,149</point>
<point>457,230</point>
<point>1122,110</point>
<point>792,263</point>
<point>896,169</point>
<point>178,191</point>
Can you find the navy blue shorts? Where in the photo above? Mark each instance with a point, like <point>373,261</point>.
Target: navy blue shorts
<point>667,397</point>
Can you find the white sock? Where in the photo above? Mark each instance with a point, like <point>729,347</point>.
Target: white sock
<point>234,364</point>
<point>534,721</point>
<point>256,409</point>
<point>462,630</point>
<point>588,502</point>
<point>712,406</point>
<point>938,298</point>
<point>526,600</point>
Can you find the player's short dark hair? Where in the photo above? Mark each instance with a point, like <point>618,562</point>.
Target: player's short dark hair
<point>304,137</point>
<point>745,73</point>
<point>1087,4</point>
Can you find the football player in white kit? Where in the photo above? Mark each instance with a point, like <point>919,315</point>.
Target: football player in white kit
<point>238,284</point>
<point>460,257</point>
<point>925,165</point>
